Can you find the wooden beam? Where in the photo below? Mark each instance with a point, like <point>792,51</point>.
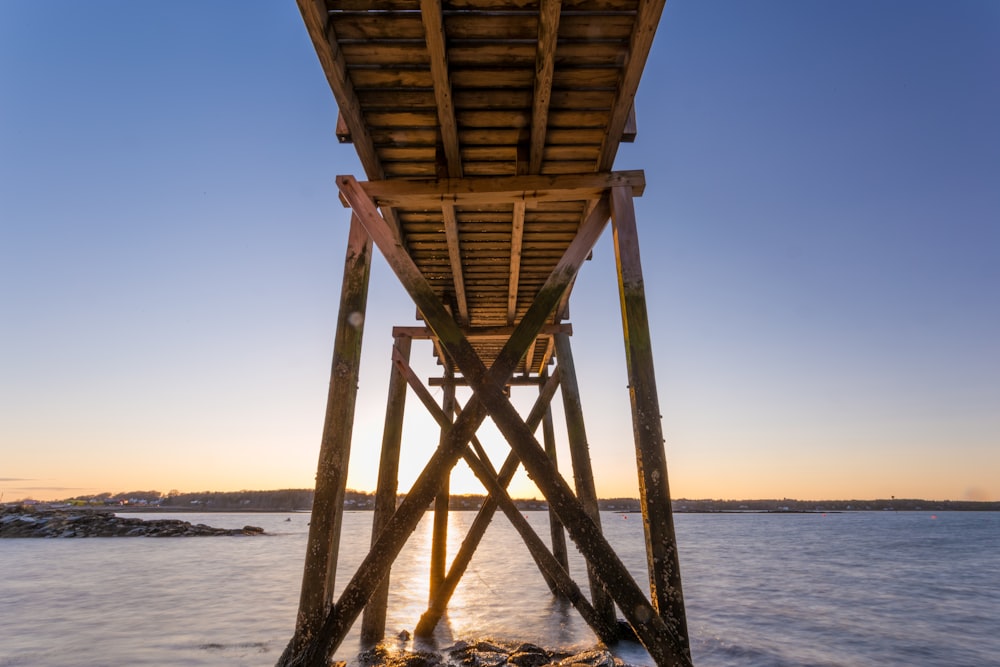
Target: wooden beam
<point>529,358</point>
<point>320,568</point>
<point>343,132</point>
<point>545,54</point>
<point>643,31</point>
<point>482,333</point>
<point>654,490</point>
<point>583,470</point>
<point>459,381</point>
<point>543,362</point>
<point>439,532</point>
<point>324,40</point>
<point>473,191</point>
<point>516,239</point>
<point>557,533</point>
<point>430,13</point>
<point>373,620</point>
<point>455,258</point>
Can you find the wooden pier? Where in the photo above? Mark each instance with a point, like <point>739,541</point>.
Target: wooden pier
<point>488,132</point>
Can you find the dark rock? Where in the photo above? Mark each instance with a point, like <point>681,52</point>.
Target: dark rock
<point>529,655</point>
<point>594,658</point>
<point>23,521</point>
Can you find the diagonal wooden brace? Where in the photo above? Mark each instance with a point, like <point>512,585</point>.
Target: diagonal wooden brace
<point>439,603</point>
<point>554,574</point>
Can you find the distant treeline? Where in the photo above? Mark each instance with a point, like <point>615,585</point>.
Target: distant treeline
<point>789,505</point>
<point>290,500</point>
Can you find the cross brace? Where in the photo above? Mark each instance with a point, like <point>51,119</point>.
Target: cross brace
<point>666,642</point>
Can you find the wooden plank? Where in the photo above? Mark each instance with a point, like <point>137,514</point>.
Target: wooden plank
<point>320,568</point>
<point>574,26</point>
<point>548,31</point>
<point>472,191</point>
<point>386,54</point>
<point>516,236</point>
<point>396,136</point>
<point>654,489</point>
<point>483,77</point>
<point>494,118</point>
<point>492,54</point>
<point>455,261</point>
<point>403,119</point>
<point>386,78</point>
<point>586,119</point>
<point>430,13</point>
<point>376,26</point>
<point>482,334</point>
<point>373,620</point>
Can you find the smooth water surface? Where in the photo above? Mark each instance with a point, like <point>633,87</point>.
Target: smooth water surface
<point>763,590</point>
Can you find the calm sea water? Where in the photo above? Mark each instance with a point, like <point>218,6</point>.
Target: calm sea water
<point>762,590</point>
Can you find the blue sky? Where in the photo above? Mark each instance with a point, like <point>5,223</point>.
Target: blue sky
<point>820,233</point>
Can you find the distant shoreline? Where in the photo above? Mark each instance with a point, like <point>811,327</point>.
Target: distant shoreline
<point>300,502</point>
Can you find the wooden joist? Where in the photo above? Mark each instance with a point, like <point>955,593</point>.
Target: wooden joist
<point>430,194</point>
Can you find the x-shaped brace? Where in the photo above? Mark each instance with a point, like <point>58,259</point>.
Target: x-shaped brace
<point>661,640</point>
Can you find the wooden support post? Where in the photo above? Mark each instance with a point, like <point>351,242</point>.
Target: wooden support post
<point>556,531</point>
<point>583,471</point>
<point>439,538</point>
<point>373,620</point>
<point>435,610</point>
<point>320,566</point>
<point>654,491</point>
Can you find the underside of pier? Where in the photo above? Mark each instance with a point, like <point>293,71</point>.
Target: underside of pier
<point>488,131</point>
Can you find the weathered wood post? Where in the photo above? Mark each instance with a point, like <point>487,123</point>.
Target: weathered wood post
<point>373,619</point>
<point>654,491</point>
<point>320,569</point>
<point>583,471</point>
<point>556,531</point>
<point>439,539</point>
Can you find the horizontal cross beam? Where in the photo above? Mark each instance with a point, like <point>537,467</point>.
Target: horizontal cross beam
<point>481,333</point>
<point>500,190</point>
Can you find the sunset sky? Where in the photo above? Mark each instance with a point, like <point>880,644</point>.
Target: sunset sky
<point>820,236</point>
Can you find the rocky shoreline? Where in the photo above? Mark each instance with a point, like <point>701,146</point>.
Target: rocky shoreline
<point>25,521</point>
<point>485,653</point>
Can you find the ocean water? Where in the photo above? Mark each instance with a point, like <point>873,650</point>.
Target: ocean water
<point>762,590</point>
